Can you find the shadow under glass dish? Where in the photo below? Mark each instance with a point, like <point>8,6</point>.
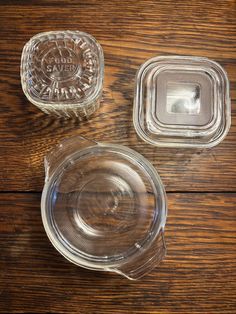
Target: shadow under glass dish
<point>62,73</point>
<point>104,207</point>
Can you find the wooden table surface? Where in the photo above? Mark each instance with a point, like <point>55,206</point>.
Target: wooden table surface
<point>199,272</point>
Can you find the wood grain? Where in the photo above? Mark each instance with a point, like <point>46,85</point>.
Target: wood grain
<point>197,276</point>
<point>199,273</point>
<point>130,32</point>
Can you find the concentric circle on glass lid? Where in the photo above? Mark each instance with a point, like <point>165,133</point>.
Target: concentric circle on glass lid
<point>103,204</point>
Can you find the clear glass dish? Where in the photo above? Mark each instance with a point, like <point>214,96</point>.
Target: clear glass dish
<point>182,101</point>
<point>104,207</point>
<point>62,73</point>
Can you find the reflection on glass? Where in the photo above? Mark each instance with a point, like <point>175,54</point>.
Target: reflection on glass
<point>183,98</point>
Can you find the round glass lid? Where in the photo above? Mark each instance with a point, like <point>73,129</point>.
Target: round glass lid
<point>102,205</point>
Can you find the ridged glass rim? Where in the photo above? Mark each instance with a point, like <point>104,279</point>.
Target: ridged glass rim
<point>60,105</point>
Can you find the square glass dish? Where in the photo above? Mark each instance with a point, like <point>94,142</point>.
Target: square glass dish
<point>62,72</point>
<point>182,101</point>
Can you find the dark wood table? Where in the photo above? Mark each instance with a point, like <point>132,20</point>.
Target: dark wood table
<point>199,272</point>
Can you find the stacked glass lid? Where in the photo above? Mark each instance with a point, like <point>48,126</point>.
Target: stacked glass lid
<point>182,102</point>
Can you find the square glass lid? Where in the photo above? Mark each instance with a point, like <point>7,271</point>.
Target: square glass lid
<point>182,102</point>
<point>63,70</point>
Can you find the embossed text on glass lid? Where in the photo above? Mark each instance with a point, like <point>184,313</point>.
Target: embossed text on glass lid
<point>62,68</point>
